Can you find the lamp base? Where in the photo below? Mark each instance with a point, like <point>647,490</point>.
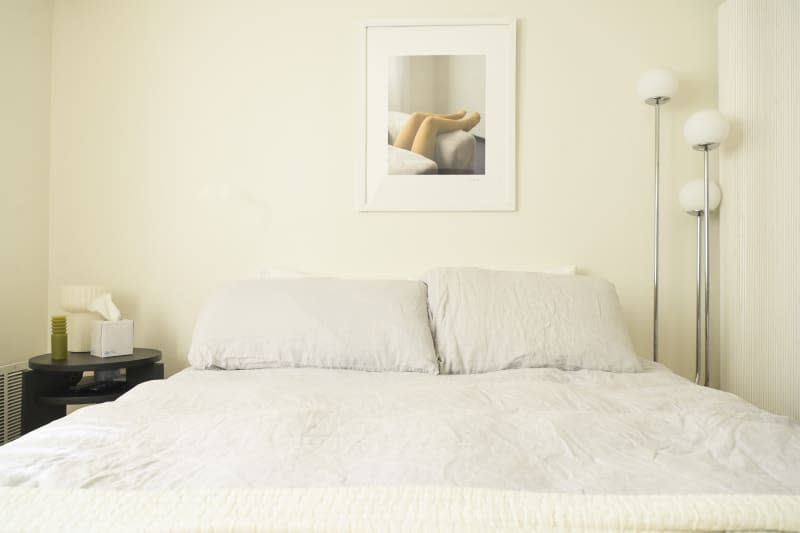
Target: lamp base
<point>657,100</point>
<point>705,147</point>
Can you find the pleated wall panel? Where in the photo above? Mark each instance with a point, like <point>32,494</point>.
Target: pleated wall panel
<point>759,90</point>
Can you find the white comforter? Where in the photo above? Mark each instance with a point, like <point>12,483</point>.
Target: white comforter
<point>540,430</point>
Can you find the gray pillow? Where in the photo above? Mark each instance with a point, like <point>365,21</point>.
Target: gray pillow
<point>485,320</point>
<point>316,322</point>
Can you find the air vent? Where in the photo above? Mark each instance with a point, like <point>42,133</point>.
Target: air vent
<point>11,401</point>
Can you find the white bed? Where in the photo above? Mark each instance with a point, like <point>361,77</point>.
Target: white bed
<point>455,151</point>
<point>365,451</point>
<point>541,430</point>
<point>319,449</point>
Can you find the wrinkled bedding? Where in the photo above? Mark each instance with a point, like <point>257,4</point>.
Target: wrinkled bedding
<point>538,430</point>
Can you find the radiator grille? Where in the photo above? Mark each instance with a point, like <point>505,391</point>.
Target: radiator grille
<point>11,401</point>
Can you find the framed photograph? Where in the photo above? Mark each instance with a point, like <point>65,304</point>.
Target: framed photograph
<point>439,109</point>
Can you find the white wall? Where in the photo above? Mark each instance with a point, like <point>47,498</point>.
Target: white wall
<point>196,141</point>
<point>24,151</point>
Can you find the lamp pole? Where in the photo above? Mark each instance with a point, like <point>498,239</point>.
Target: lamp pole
<point>656,87</point>
<point>697,198</point>
<point>705,148</point>
<point>698,300</point>
<point>656,102</point>
<point>707,254</point>
<point>657,173</point>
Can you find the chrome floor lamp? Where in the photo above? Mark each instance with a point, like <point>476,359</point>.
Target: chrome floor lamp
<point>692,200</point>
<point>656,87</point>
<point>704,131</point>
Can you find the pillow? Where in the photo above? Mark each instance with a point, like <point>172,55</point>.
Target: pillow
<point>566,270</point>
<point>316,322</point>
<point>282,273</point>
<point>485,320</point>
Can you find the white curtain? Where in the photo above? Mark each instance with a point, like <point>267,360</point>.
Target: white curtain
<point>399,83</point>
<point>759,85</point>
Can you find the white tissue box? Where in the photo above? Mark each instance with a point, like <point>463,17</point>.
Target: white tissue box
<point>112,337</point>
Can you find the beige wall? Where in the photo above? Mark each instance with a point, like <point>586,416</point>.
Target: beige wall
<point>24,147</point>
<point>194,142</point>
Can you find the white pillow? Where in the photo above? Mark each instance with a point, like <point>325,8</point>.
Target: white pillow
<point>316,322</point>
<point>282,273</point>
<point>485,320</point>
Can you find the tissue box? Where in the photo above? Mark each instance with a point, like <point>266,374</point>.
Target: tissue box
<point>112,338</point>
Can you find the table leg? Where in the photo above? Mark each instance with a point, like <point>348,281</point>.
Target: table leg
<point>34,385</point>
<point>140,374</point>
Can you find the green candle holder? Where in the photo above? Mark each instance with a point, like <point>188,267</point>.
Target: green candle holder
<point>58,337</point>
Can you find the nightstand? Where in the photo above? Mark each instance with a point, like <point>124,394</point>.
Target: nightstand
<point>49,386</point>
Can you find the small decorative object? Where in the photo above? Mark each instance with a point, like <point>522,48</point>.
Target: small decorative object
<point>704,131</point>
<point>656,87</point>
<point>58,337</point>
<point>439,116</point>
<point>691,200</point>
<point>75,300</point>
<point>113,336</point>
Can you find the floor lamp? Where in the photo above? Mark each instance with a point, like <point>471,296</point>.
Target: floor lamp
<point>692,200</point>
<point>656,87</point>
<point>704,131</point>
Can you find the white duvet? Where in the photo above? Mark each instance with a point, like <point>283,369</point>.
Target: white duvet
<point>538,430</point>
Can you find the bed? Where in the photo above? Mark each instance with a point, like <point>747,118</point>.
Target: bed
<point>315,449</point>
<point>455,152</point>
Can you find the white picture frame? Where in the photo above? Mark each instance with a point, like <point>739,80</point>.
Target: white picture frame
<point>381,184</point>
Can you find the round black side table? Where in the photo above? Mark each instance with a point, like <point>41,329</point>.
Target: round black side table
<point>50,385</point>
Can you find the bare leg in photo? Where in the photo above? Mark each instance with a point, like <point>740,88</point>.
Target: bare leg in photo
<point>405,139</point>
<point>425,140</point>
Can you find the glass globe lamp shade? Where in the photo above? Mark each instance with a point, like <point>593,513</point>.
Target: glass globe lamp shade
<point>691,196</point>
<point>657,85</point>
<point>706,129</point>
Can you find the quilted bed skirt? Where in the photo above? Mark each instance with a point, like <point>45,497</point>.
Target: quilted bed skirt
<point>417,509</point>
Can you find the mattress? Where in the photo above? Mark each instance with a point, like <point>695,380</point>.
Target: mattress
<point>534,430</point>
